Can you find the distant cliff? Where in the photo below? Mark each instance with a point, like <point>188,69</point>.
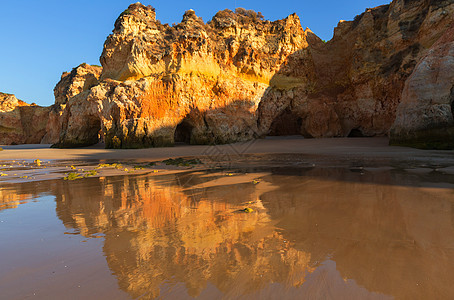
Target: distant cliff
<point>21,123</point>
<point>239,77</point>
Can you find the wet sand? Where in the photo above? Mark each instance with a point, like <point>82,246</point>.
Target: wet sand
<point>16,162</point>
<point>314,233</point>
<point>331,219</point>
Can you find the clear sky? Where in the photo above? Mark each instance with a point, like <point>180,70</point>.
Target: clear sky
<point>42,39</point>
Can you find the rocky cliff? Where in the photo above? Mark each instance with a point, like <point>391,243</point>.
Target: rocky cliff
<point>239,77</point>
<point>77,82</point>
<point>21,123</point>
<point>425,115</point>
<point>193,82</point>
<point>356,79</point>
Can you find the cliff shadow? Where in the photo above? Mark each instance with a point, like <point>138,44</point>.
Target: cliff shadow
<point>301,97</point>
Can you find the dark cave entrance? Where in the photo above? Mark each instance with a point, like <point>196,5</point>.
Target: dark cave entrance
<point>355,132</point>
<point>91,132</point>
<point>183,133</point>
<point>287,123</point>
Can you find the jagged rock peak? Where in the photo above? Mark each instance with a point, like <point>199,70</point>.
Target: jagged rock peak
<point>81,78</point>
<point>234,41</point>
<point>190,16</point>
<point>8,102</point>
<point>227,18</point>
<point>136,12</point>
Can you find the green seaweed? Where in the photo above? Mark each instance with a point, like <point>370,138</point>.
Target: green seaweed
<point>181,162</point>
<point>73,176</point>
<point>90,173</point>
<point>114,165</point>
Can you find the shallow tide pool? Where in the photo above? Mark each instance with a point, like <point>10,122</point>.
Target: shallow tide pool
<point>312,233</point>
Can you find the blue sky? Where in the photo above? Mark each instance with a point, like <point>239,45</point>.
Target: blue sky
<point>42,39</point>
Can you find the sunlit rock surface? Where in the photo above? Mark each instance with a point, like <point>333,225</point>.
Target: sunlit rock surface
<point>21,123</point>
<point>239,77</point>
<point>80,79</point>
<point>354,82</point>
<point>194,82</point>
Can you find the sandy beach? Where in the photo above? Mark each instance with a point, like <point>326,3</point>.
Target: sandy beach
<point>367,148</point>
<point>18,162</point>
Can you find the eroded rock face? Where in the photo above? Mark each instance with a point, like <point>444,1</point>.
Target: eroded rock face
<point>236,44</point>
<point>80,79</point>
<point>21,123</point>
<point>71,84</point>
<point>353,83</point>
<point>239,77</point>
<point>425,115</point>
<point>199,82</point>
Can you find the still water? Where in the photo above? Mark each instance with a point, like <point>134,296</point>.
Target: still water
<point>314,233</point>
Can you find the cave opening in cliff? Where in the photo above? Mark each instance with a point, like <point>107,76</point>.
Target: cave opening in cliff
<point>356,132</point>
<point>286,123</point>
<point>90,131</point>
<point>183,133</point>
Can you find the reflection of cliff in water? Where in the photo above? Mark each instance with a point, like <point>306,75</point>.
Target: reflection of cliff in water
<point>10,199</point>
<point>396,240</point>
<point>157,233</point>
<point>12,195</point>
<point>320,233</point>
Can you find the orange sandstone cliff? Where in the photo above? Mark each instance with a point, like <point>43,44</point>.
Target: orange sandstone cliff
<point>194,82</point>
<point>21,123</point>
<point>239,77</point>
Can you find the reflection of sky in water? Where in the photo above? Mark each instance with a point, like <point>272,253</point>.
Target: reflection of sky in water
<point>317,233</point>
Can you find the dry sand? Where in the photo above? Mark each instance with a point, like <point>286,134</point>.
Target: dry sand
<point>333,147</point>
